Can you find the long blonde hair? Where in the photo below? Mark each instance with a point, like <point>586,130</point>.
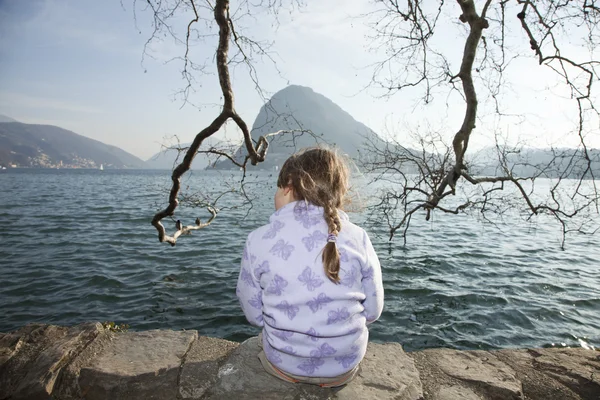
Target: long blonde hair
<point>320,176</point>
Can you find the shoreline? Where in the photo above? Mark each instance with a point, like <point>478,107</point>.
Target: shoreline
<point>92,361</point>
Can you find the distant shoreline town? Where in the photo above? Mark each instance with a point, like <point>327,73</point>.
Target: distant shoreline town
<point>51,147</point>
<point>44,162</point>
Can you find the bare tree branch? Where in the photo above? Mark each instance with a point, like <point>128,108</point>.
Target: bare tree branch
<point>425,177</point>
<point>255,153</point>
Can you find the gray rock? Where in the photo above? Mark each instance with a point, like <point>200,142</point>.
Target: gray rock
<point>10,343</point>
<point>578,369</point>
<point>39,354</point>
<point>242,377</point>
<point>136,365</point>
<point>481,371</point>
<point>455,393</point>
<point>387,372</point>
<point>88,361</point>
<point>67,387</point>
<point>556,373</point>
<point>201,365</point>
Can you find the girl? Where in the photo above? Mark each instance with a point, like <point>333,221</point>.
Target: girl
<point>311,278</point>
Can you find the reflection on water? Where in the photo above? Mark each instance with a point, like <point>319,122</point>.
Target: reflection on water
<point>78,246</point>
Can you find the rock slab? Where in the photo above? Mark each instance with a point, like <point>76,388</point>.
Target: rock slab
<point>562,373</point>
<point>136,365</point>
<point>242,377</point>
<point>455,392</point>
<point>473,373</point>
<point>89,362</point>
<point>10,343</point>
<point>35,355</point>
<point>201,366</point>
<point>386,373</point>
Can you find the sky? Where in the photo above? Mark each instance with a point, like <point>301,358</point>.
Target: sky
<point>79,64</point>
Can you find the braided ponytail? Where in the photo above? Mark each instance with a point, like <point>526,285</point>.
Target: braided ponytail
<point>319,176</point>
<point>331,255</point>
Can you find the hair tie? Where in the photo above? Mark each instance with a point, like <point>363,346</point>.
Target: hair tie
<point>331,238</point>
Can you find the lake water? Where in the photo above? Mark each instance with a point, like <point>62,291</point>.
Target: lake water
<point>78,246</point>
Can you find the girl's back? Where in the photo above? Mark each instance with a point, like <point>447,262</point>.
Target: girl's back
<point>311,278</point>
<point>312,326</point>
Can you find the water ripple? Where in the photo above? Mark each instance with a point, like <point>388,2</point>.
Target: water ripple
<point>81,248</point>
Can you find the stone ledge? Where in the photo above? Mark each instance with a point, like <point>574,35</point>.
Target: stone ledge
<point>386,373</point>
<point>36,356</point>
<point>89,362</point>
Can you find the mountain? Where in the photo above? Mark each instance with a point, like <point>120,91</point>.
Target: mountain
<point>47,146</point>
<point>548,163</point>
<point>4,118</point>
<point>298,107</point>
<point>168,157</point>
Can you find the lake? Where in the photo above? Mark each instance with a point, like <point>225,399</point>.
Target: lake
<point>78,246</point>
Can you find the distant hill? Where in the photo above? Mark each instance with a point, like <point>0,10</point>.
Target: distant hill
<point>47,146</point>
<point>167,157</point>
<point>4,118</point>
<point>300,107</point>
<point>548,163</point>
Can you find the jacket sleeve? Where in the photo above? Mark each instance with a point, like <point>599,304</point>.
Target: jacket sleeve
<point>372,283</point>
<point>248,288</point>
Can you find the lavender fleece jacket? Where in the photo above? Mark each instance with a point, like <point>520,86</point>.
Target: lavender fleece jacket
<point>311,326</point>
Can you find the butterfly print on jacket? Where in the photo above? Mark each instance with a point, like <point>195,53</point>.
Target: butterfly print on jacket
<point>349,276</point>
<point>289,309</point>
<point>247,256</point>
<point>346,360</point>
<point>338,315</point>
<point>282,249</point>
<point>310,279</point>
<point>325,350</point>
<point>262,268</point>
<point>307,215</point>
<point>314,239</point>
<point>277,285</point>
<point>256,301</point>
<point>247,277</point>
<point>311,365</point>
<point>273,229</point>
<point>367,272</point>
<point>318,302</point>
